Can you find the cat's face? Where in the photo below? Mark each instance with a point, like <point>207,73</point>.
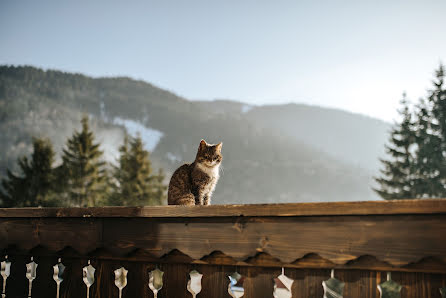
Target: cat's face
<point>209,155</point>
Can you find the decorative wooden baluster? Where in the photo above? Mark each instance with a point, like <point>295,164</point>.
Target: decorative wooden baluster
<point>235,286</point>
<point>389,288</point>
<point>333,288</point>
<point>59,269</point>
<point>121,279</point>
<point>5,271</point>
<point>156,281</point>
<point>443,292</point>
<point>31,272</point>
<point>88,276</point>
<point>282,286</point>
<point>194,283</point>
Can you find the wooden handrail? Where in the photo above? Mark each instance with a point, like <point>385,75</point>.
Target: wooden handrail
<point>395,207</point>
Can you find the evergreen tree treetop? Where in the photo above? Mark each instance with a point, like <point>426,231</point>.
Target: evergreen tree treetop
<point>437,137</point>
<point>35,185</point>
<point>417,168</point>
<point>397,178</point>
<point>135,182</point>
<point>84,170</point>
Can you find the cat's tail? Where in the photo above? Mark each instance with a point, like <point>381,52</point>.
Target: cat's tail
<point>185,199</point>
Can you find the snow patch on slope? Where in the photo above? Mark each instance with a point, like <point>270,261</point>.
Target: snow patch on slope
<point>246,108</point>
<point>110,140</point>
<point>172,157</point>
<point>149,136</point>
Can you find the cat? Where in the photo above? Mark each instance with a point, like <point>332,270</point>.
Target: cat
<point>194,183</point>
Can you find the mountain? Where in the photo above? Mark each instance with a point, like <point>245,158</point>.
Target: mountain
<point>352,138</point>
<point>283,153</point>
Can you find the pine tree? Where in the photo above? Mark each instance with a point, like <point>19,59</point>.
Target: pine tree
<point>35,187</point>
<point>438,101</point>
<point>121,175</point>
<point>136,185</point>
<point>83,170</point>
<point>397,179</point>
<point>431,141</point>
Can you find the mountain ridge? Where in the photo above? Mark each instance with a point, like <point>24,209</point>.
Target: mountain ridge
<point>263,162</point>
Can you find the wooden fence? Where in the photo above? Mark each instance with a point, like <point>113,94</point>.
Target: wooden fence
<point>187,251</point>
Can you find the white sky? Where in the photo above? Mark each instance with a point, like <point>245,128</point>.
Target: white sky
<point>354,55</point>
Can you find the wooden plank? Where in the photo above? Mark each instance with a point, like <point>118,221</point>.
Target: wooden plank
<point>397,240</point>
<point>392,240</point>
<point>83,235</point>
<point>425,206</point>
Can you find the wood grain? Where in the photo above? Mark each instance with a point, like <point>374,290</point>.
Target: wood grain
<point>425,206</point>
<point>361,241</point>
<point>402,242</point>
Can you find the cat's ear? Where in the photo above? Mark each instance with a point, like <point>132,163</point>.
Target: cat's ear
<point>203,144</point>
<point>218,146</point>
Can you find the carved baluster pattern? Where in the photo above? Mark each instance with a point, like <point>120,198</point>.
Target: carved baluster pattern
<point>333,288</point>
<point>156,281</point>
<point>389,288</point>
<point>443,292</point>
<point>194,283</point>
<point>5,272</point>
<point>121,279</point>
<point>88,276</point>
<point>58,269</point>
<point>282,286</point>
<point>31,273</point>
<point>235,286</point>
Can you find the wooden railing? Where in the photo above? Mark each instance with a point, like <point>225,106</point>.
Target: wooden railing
<point>361,241</point>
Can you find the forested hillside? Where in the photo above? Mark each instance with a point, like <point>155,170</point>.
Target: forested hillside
<point>348,137</point>
<point>271,154</point>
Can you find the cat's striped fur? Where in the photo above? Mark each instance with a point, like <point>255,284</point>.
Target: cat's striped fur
<point>194,183</point>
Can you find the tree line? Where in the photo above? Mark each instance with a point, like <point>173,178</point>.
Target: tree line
<point>416,167</point>
<point>84,179</point>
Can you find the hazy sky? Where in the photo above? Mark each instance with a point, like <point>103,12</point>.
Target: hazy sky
<point>355,55</point>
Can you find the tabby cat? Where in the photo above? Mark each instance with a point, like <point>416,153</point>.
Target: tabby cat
<point>193,184</point>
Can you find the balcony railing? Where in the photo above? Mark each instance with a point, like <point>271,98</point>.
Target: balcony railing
<point>361,241</point>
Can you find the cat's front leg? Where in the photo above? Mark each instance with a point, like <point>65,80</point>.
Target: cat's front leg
<point>199,199</point>
<point>207,199</point>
